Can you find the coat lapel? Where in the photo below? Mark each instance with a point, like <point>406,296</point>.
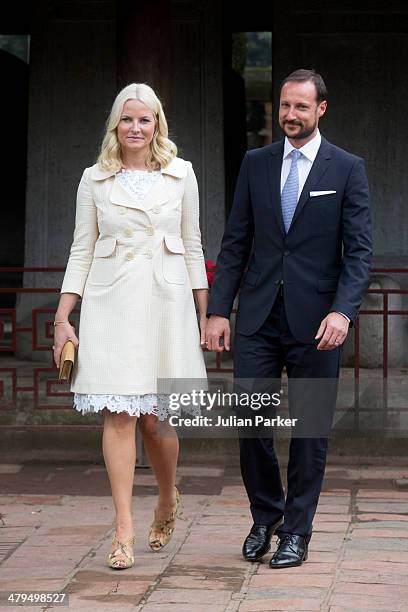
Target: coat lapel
<point>319,167</point>
<point>158,194</point>
<point>162,189</point>
<point>274,177</point>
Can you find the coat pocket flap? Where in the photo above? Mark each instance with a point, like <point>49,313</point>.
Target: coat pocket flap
<point>251,277</point>
<point>105,246</point>
<point>327,284</point>
<point>174,244</point>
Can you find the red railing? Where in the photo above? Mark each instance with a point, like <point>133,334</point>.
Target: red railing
<point>50,387</point>
<point>384,311</point>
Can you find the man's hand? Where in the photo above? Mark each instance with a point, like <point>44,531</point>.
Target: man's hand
<point>218,327</point>
<point>332,331</point>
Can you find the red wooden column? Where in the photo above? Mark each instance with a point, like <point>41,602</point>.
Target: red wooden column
<point>143,44</point>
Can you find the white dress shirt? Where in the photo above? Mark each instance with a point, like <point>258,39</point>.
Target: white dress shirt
<point>305,161</point>
<point>304,164</point>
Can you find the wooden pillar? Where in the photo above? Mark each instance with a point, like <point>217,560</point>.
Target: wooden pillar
<point>143,45</point>
<point>283,56</point>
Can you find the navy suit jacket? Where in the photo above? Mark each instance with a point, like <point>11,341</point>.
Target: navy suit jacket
<point>323,260</point>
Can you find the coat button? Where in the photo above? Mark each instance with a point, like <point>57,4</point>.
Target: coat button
<point>130,255</point>
<point>149,254</point>
<point>122,210</point>
<point>128,232</point>
<point>150,231</point>
<point>286,253</point>
<point>156,210</point>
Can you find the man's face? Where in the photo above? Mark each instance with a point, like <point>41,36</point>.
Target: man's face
<point>299,111</point>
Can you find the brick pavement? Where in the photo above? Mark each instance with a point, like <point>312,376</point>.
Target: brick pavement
<point>56,526</point>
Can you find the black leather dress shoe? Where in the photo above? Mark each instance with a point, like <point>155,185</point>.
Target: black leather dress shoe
<point>258,541</point>
<point>291,551</point>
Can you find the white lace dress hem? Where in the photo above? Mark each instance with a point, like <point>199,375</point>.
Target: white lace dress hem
<point>134,405</point>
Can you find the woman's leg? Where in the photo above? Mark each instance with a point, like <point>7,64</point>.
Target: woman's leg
<point>162,447</point>
<point>119,451</point>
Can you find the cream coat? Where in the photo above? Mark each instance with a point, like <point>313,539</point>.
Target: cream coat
<point>135,264</point>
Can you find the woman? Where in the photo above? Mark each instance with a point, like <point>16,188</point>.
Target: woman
<point>136,261</point>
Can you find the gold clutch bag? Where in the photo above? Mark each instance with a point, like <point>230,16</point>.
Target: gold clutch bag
<point>67,361</point>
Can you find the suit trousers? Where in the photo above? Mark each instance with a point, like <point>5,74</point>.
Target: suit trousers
<point>263,355</point>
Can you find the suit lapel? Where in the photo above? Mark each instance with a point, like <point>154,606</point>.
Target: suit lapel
<point>274,178</point>
<point>319,167</point>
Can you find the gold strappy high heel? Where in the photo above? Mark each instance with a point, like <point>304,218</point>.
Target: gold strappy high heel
<point>161,530</point>
<point>121,557</point>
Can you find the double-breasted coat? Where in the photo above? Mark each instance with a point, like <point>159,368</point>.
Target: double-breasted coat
<point>135,263</point>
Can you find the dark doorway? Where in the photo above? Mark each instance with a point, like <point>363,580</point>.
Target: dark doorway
<point>247,98</point>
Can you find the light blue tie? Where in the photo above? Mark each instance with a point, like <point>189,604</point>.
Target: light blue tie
<point>290,191</point>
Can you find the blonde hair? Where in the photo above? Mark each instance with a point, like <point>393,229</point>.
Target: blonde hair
<point>161,151</point>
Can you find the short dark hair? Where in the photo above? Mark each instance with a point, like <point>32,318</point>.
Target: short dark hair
<point>303,75</point>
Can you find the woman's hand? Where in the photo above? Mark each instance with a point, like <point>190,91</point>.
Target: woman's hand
<point>201,300</point>
<point>203,327</point>
<point>62,333</point>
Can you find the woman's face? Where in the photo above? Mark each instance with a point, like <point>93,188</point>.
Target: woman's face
<point>136,127</point>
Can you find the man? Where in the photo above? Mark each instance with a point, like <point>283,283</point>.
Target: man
<point>300,220</point>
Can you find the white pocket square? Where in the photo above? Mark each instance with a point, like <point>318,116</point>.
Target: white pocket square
<point>313,194</point>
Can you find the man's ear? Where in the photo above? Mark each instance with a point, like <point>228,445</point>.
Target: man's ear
<point>321,109</point>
